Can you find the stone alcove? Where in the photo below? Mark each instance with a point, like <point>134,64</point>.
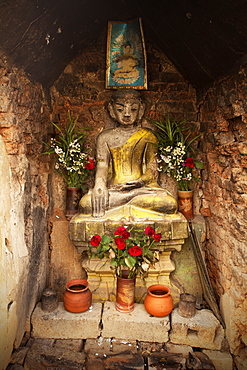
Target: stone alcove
<point>221,115</point>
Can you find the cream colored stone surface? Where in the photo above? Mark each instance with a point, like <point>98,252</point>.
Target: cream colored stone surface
<point>62,324</point>
<point>234,310</point>
<point>136,325</point>
<point>203,330</point>
<point>13,259</point>
<point>221,360</point>
<point>24,202</point>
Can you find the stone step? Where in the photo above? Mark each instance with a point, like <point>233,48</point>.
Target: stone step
<point>136,325</point>
<point>103,320</point>
<point>61,324</point>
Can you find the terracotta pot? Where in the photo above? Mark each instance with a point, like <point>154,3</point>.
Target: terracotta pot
<point>72,201</point>
<point>158,301</point>
<point>185,203</point>
<point>125,295</point>
<point>77,297</point>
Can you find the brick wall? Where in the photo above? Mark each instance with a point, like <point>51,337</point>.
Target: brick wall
<point>223,118</point>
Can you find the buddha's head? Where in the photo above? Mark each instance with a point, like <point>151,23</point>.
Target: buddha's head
<point>126,107</point>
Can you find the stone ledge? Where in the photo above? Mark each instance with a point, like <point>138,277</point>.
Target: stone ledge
<point>61,324</point>
<point>203,330</point>
<point>136,325</point>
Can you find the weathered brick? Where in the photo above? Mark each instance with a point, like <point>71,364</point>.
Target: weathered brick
<point>42,356</point>
<point>126,360</point>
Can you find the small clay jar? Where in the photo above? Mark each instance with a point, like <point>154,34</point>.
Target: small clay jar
<point>77,297</point>
<point>158,301</point>
<point>49,301</point>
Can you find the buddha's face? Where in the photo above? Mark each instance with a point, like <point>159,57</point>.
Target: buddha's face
<point>126,111</point>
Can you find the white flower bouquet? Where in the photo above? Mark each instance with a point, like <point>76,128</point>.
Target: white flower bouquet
<point>73,159</point>
<point>175,153</point>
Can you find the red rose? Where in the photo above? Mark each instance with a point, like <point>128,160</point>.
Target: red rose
<point>95,240</point>
<point>90,164</point>
<point>189,162</point>
<point>120,243</point>
<point>135,251</point>
<point>149,231</point>
<point>123,232</point>
<point>157,237</point>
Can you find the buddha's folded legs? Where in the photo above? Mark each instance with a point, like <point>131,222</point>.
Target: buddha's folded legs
<point>157,200</point>
<point>161,202</point>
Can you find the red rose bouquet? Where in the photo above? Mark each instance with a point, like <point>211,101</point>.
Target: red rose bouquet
<point>125,252</point>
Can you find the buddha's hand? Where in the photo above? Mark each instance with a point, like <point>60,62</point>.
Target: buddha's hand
<point>99,200</point>
<point>130,185</point>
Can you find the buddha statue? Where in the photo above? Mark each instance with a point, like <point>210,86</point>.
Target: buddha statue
<point>126,157</point>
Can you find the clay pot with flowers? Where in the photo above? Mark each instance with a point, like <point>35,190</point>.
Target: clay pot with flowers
<point>176,159</point>
<point>130,254</point>
<point>73,161</point>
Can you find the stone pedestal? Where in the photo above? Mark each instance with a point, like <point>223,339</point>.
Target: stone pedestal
<point>102,279</point>
<point>100,275</point>
<point>172,227</point>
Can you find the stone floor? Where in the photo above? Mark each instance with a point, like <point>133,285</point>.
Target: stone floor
<point>111,354</point>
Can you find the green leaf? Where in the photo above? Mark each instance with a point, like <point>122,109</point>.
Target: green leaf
<point>105,248</point>
<point>198,165</point>
<point>106,239</point>
<point>127,262</point>
<point>130,261</point>
<point>144,250</point>
<point>57,127</point>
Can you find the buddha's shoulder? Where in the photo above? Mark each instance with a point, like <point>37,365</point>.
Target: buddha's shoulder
<point>148,133</point>
<point>147,130</point>
<point>105,133</point>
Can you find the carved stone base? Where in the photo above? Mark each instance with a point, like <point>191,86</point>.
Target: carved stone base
<point>172,227</point>
<point>100,275</point>
<point>102,279</point>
